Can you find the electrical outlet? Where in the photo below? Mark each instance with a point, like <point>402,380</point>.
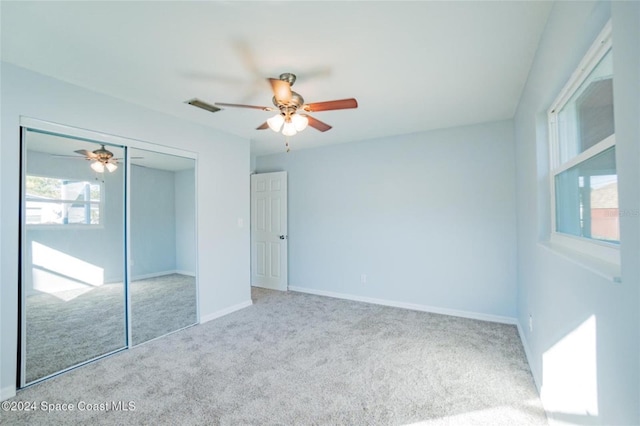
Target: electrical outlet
<point>363,278</point>
<point>530,323</point>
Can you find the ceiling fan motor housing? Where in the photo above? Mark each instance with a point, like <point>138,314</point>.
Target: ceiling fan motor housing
<point>288,77</point>
<point>103,154</point>
<point>291,106</point>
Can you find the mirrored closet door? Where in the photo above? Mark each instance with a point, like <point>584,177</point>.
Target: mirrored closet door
<point>73,302</point>
<point>163,244</point>
<point>108,247</point>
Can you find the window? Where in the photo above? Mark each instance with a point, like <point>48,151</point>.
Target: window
<point>584,180</point>
<point>52,201</point>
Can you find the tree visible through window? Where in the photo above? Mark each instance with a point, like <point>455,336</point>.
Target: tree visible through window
<point>53,201</point>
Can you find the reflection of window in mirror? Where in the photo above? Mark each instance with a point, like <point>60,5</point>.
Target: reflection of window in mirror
<point>54,201</point>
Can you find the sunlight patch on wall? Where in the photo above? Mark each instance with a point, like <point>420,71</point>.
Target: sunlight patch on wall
<point>570,373</point>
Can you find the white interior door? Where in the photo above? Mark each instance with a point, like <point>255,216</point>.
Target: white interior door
<point>269,230</point>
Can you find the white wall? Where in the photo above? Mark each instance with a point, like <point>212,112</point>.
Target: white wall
<point>584,346</point>
<point>428,217</point>
<point>223,189</point>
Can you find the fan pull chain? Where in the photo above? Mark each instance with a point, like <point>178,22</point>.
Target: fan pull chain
<point>286,143</point>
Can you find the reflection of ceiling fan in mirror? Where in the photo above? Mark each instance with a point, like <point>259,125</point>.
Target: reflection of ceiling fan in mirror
<point>100,158</point>
<point>293,114</point>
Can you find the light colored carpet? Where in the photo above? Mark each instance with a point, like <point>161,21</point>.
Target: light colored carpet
<point>161,305</point>
<point>67,328</point>
<point>299,359</point>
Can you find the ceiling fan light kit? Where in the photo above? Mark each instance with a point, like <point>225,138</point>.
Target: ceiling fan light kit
<point>289,125</point>
<point>289,104</point>
<point>275,123</point>
<point>300,122</point>
<point>111,167</point>
<point>97,166</point>
<point>289,129</point>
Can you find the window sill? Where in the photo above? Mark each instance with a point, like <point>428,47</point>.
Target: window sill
<point>603,268</point>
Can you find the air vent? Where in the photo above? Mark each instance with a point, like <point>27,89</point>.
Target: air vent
<point>201,104</point>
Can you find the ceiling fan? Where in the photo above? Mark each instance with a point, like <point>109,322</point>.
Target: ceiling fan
<point>293,114</point>
<point>101,159</point>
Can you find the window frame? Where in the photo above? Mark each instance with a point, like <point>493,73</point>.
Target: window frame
<point>606,251</point>
<point>54,226</point>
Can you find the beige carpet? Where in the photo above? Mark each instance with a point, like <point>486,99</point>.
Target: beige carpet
<point>298,359</point>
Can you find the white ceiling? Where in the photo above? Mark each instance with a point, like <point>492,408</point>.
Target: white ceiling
<point>412,66</point>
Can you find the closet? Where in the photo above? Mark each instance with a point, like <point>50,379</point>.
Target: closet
<point>108,246</point>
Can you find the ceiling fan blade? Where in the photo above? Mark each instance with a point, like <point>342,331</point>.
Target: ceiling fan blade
<point>86,153</point>
<point>263,108</point>
<point>130,158</point>
<point>72,157</point>
<point>331,105</point>
<point>212,77</point>
<point>319,72</point>
<point>281,89</point>
<point>263,126</point>
<point>317,124</point>
<point>246,55</point>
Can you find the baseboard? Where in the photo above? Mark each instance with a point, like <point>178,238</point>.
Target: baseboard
<point>8,392</point>
<point>411,306</point>
<point>153,275</point>
<point>527,353</point>
<point>534,373</point>
<point>137,278</point>
<point>225,311</point>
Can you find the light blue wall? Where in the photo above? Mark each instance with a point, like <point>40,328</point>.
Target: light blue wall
<point>562,295</point>
<point>153,221</point>
<point>428,217</point>
<point>185,211</point>
<point>223,247</point>
<point>163,218</point>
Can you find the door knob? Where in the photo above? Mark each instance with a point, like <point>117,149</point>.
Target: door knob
<point>283,237</point>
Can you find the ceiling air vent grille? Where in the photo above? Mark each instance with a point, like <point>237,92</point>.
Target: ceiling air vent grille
<point>201,104</point>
